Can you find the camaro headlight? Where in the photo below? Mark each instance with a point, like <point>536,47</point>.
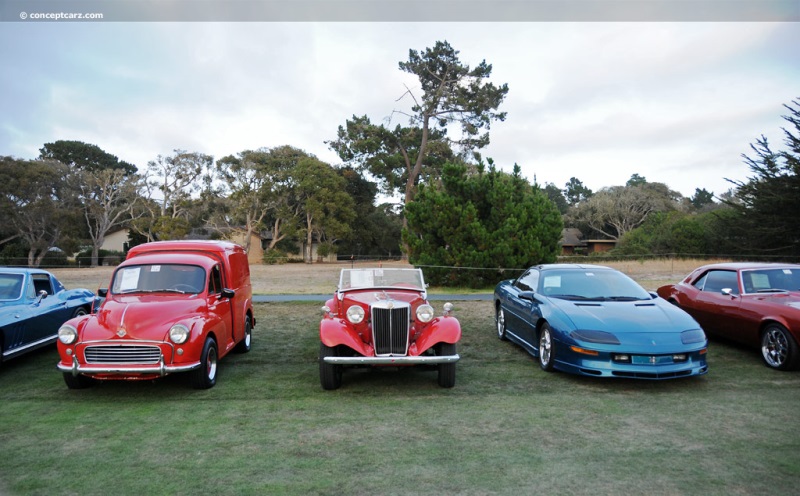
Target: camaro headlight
<point>600,337</point>
<point>693,336</point>
<point>355,314</point>
<point>425,313</point>
<point>67,334</point>
<point>178,333</point>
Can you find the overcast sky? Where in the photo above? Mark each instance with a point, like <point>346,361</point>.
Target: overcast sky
<point>677,103</point>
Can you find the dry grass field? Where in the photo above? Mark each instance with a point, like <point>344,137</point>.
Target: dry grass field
<point>321,278</point>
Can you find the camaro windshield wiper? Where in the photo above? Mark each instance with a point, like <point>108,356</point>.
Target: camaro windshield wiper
<point>574,297</point>
<point>773,290</point>
<point>625,298</point>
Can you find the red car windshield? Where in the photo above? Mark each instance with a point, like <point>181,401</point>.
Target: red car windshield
<point>381,278</point>
<point>172,278</point>
<point>771,280</point>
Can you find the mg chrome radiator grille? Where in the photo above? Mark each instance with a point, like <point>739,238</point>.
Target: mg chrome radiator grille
<point>390,324</point>
<point>122,354</point>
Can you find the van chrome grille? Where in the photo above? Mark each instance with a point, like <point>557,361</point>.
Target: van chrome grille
<point>123,354</point>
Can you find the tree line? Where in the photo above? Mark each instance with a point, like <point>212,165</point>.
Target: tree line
<point>457,209</point>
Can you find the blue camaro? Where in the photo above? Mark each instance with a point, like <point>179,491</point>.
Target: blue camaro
<point>596,321</point>
<point>33,305</point>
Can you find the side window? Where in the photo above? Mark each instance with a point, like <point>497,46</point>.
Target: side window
<point>717,280</point>
<point>215,281</point>
<point>529,281</point>
<point>41,282</point>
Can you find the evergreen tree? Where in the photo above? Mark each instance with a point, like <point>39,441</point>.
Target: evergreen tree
<point>483,221</point>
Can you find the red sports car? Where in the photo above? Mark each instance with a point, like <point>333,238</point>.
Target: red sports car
<point>754,303</point>
<point>381,317</point>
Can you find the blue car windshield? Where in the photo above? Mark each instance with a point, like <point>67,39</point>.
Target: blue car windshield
<point>591,284</point>
<point>166,278</point>
<point>10,287</point>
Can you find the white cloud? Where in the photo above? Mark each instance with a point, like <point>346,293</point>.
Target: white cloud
<point>674,102</point>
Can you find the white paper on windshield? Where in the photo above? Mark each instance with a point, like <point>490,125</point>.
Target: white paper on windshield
<point>788,272</point>
<point>130,279</point>
<point>552,281</point>
<point>360,279</point>
<point>155,268</point>
<point>760,281</point>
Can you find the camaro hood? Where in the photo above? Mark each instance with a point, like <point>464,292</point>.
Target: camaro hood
<point>141,317</point>
<point>622,317</point>
<point>791,299</point>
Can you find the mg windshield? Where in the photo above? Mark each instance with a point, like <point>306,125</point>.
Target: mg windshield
<point>381,278</point>
<point>10,287</point>
<point>171,278</point>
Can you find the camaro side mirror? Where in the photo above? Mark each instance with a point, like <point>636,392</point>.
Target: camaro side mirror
<point>728,292</point>
<point>42,295</point>
<point>527,295</point>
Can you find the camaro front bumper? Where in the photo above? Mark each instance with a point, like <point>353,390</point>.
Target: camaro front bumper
<point>391,360</point>
<point>160,368</point>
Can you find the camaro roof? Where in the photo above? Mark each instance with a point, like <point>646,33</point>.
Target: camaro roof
<point>749,265</point>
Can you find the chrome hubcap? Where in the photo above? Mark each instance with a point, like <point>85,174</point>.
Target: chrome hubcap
<point>544,348</point>
<point>211,366</point>
<point>501,323</point>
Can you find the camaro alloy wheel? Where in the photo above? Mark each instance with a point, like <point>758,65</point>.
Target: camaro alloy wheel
<point>778,348</point>
<point>546,349</point>
<point>500,320</point>
<point>206,376</point>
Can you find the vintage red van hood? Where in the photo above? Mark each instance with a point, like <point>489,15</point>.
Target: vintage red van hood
<point>141,317</point>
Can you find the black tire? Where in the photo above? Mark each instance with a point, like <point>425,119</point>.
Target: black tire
<point>245,344</point>
<point>547,349</point>
<point>500,323</point>
<point>205,377</point>
<point>330,375</point>
<point>778,348</point>
<point>77,381</point>
<point>447,371</point>
<point>80,311</point>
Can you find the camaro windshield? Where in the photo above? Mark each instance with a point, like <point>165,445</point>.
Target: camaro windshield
<point>771,280</point>
<point>173,278</point>
<point>10,287</point>
<point>597,285</point>
<point>381,278</point>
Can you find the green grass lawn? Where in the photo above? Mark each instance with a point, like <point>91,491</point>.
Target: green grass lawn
<point>506,428</point>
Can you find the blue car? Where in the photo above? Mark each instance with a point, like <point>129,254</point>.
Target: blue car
<point>596,321</point>
<point>33,305</point>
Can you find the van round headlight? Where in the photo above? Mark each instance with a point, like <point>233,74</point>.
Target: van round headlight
<point>67,334</point>
<point>355,314</point>
<point>178,334</point>
<point>425,313</point>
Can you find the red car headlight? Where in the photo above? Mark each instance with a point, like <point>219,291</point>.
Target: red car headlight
<point>425,313</point>
<point>178,334</point>
<point>67,334</point>
<point>355,314</point>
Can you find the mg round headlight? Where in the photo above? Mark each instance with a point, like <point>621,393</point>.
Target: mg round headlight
<point>67,334</point>
<point>425,313</point>
<point>355,314</point>
<point>178,334</point>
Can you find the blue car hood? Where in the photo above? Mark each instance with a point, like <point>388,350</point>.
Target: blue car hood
<point>632,322</point>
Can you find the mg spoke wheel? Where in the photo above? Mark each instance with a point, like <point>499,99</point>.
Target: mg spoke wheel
<point>447,371</point>
<point>500,320</point>
<point>546,349</point>
<point>778,348</point>
<point>330,375</point>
